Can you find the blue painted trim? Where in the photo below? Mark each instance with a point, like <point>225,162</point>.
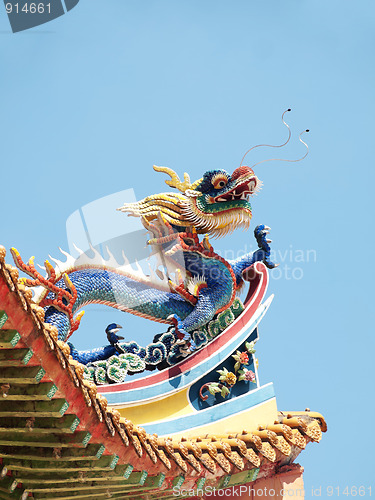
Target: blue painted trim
<point>187,378</point>
<point>213,414</point>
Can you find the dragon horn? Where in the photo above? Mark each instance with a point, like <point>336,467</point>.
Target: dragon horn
<point>175,180</point>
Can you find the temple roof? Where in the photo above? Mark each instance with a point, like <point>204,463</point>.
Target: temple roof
<point>59,438</point>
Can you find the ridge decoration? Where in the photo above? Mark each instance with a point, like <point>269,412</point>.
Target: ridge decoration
<point>197,304</point>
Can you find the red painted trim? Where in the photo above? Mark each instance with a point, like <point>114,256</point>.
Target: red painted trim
<point>257,290</point>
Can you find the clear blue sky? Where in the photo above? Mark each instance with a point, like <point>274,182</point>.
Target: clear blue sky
<point>90,101</point>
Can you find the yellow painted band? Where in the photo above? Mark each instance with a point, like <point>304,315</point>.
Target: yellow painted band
<point>173,406</point>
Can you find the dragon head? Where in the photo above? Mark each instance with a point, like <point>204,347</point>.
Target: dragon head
<point>216,204</point>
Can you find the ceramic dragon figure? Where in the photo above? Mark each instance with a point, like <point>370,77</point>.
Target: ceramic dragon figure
<point>204,284</point>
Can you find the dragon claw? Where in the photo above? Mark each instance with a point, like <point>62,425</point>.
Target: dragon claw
<point>260,233</point>
<point>269,264</point>
<point>180,342</point>
<point>184,337</point>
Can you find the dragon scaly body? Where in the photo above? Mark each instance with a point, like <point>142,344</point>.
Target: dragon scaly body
<point>205,284</point>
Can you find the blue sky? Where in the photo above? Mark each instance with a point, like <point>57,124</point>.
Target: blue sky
<point>90,101</point>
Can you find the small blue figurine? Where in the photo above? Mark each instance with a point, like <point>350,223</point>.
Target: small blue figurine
<point>113,338</point>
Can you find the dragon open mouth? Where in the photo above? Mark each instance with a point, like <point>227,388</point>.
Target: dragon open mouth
<point>240,192</point>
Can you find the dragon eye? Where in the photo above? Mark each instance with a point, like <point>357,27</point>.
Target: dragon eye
<point>219,181</point>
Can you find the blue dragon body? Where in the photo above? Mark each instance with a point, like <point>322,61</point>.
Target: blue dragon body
<point>104,286</point>
<point>207,288</point>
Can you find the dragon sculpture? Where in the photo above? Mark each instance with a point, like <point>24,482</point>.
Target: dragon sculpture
<point>205,284</point>
<point>198,304</point>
